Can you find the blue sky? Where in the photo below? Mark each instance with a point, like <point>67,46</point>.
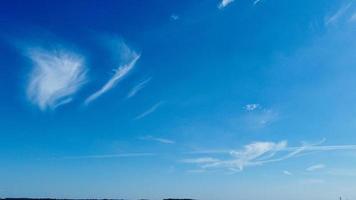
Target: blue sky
<point>232,99</point>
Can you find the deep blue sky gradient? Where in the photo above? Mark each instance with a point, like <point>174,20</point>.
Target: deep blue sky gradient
<point>205,67</point>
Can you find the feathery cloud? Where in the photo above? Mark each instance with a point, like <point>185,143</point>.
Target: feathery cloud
<point>157,139</point>
<point>260,153</point>
<point>56,76</point>
<point>138,87</point>
<point>224,3</point>
<point>131,58</point>
<point>315,167</point>
<point>149,111</point>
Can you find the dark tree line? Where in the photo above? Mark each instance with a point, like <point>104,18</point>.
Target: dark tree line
<point>75,199</point>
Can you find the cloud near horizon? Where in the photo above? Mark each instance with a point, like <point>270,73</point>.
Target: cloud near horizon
<point>260,153</point>
<point>56,76</point>
<point>315,167</point>
<point>200,160</point>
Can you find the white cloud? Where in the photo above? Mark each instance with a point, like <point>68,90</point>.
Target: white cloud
<point>339,13</point>
<point>149,111</point>
<point>224,3</point>
<point>260,153</point>
<point>256,153</point>
<point>288,173</point>
<point>130,59</point>
<point>200,160</point>
<point>326,148</point>
<point>256,2</point>
<point>251,107</point>
<point>315,167</point>
<point>138,87</point>
<point>157,139</point>
<point>56,76</point>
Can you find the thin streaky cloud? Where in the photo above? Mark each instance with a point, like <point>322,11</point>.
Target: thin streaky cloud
<point>200,160</point>
<point>325,148</point>
<point>56,76</point>
<point>120,72</point>
<point>104,156</point>
<point>339,13</point>
<point>157,139</point>
<point>138,87</point>
<point>306,148</point>
<point>261,153</point>
<point>149,111</point>
<point>224,3</point>
<point>256,2</point>
<point>315,167</point>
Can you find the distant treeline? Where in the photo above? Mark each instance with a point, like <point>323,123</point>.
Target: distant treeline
<point>75,199</point>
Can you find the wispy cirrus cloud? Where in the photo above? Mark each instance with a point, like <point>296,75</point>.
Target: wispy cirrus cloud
<point>315,167</point>
<point>255,2</point>
<point>200,160</point>
<point>149,111</point>
<point>157,139</point>
<point>130,58</point>
<point>56,76</point>
<point>138,87</point>
<point>260,153</point>
<point>224,3</point>
<point>337,15</point>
